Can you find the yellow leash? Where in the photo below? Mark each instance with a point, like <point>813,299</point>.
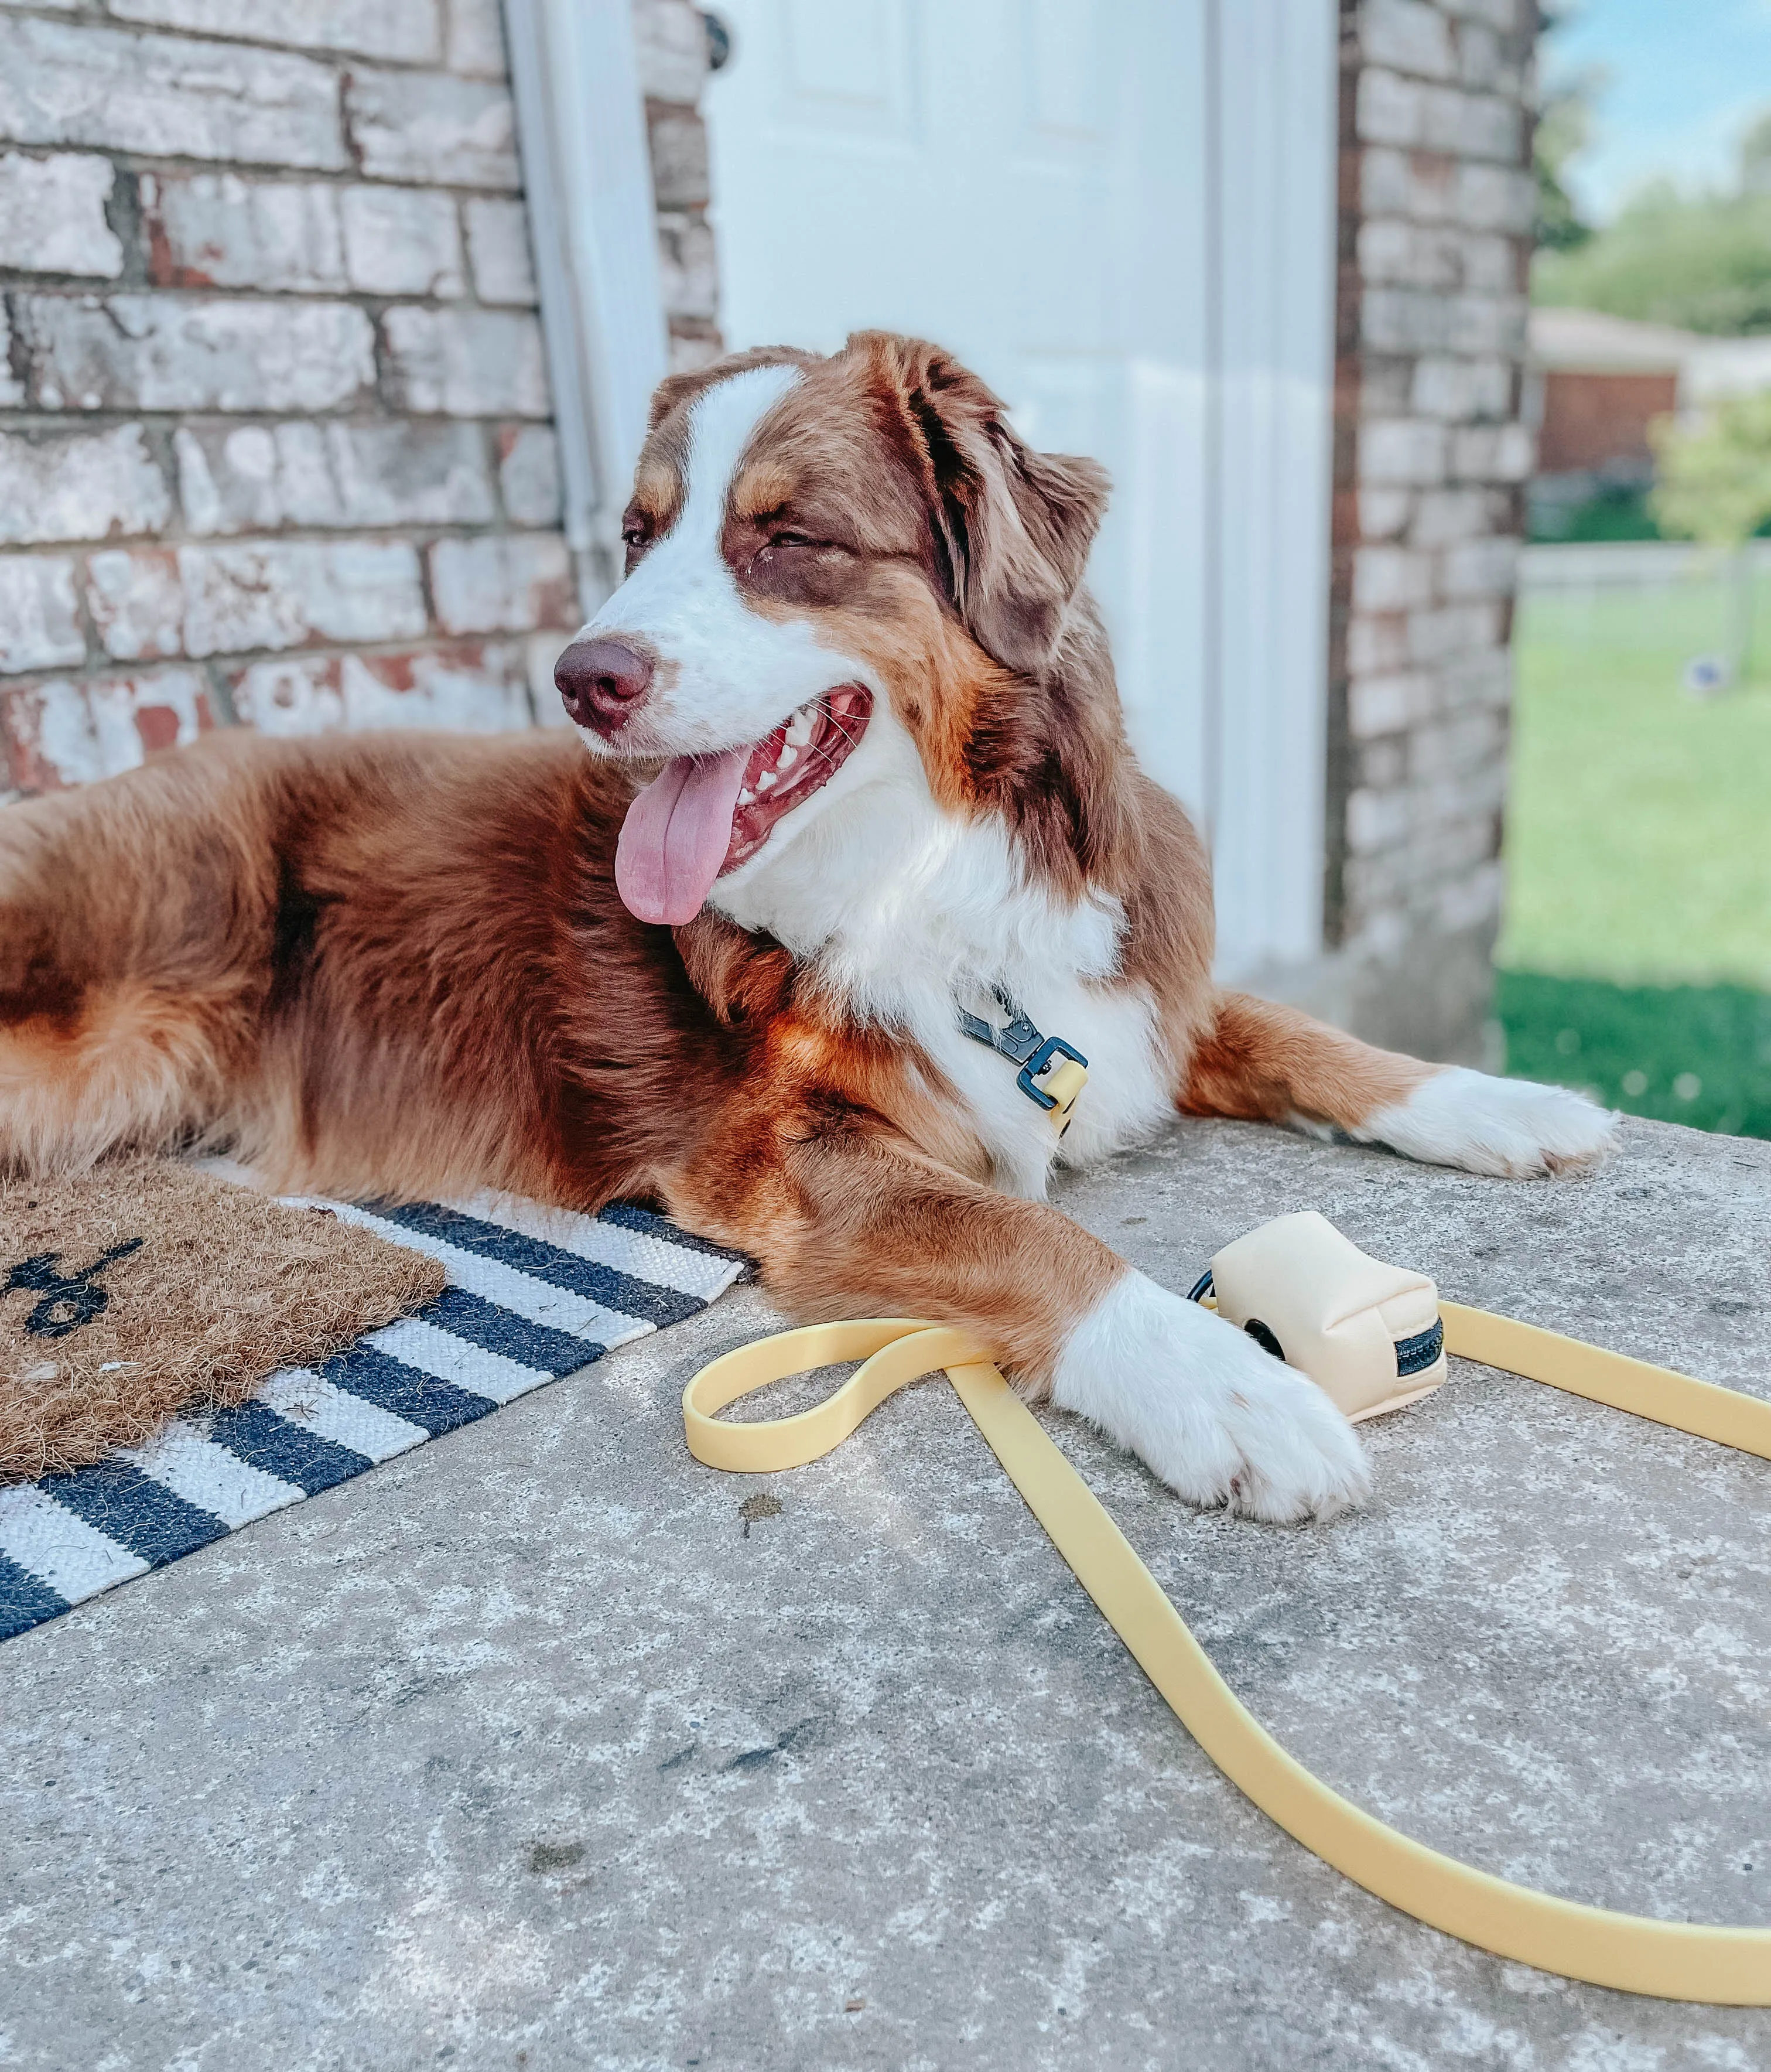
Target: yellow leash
<point>1728,1966</point>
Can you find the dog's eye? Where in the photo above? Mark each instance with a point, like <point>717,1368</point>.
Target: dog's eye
<point>788,538</point>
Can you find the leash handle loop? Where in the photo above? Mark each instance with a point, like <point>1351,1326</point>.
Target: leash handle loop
<point>1631,1953</point>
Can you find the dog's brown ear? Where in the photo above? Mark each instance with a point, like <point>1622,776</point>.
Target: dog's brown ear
<point>1012,528</point>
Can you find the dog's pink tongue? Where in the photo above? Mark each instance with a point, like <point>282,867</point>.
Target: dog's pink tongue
<point>676,835</point>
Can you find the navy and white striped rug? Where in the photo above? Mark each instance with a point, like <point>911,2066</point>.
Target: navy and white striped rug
<point>533,1293</point>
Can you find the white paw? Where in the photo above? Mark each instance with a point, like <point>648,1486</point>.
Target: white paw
<point>1514,1128</point>
<point>1221,1421</point>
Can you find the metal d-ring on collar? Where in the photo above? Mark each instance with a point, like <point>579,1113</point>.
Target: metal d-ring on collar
<point>1021,1044</point>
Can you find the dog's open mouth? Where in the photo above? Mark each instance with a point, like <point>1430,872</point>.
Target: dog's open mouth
<point>704,815</point>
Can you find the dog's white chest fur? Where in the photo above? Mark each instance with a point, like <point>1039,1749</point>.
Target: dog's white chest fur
<point>909,912</point>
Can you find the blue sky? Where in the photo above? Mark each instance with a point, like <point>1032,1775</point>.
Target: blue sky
<point>1686,76</point>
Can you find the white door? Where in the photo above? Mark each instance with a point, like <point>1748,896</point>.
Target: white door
<point>1119,212</point>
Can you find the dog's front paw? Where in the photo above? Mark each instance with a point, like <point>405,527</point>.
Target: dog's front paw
<point>1221,1421</point>
<point>1513,1128</point>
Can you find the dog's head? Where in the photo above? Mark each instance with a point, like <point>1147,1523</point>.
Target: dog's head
<point>840,570</point>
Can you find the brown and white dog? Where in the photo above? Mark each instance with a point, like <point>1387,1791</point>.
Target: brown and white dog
<point>855,766</point>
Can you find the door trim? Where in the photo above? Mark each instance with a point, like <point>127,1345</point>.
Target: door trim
<point>587,179</point>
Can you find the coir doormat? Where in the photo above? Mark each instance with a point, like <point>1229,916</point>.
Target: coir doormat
<point>531,1294</point>
<point>147,1287</point>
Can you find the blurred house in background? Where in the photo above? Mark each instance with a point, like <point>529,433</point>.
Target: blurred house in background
<point>1595,385</point>
<point>329,332</point>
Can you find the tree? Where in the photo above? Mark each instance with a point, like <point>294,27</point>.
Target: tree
<point>1702,261</point>
<point>1715,485</point>
<point>1564,123</point>
<point>1715,476</point>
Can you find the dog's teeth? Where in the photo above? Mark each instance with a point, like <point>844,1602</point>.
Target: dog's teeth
<point>790,755</point>
<point>799,729</point>
<point>747,797</point>
<point>766,781</point>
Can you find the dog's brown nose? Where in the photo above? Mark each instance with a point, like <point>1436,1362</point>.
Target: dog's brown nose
<point>601,681</point>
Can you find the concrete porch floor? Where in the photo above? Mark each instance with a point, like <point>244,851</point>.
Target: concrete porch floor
<point>524,1752</point>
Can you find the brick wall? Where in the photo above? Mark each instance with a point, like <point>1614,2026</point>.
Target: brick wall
<point>274,436</point>
<point>1431,457</point>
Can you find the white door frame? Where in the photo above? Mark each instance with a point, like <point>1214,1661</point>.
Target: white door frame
<point>1273,160</point>
<point>587,178</point>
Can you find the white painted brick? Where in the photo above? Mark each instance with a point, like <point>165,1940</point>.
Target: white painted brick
<point>1443,517</point>
<point>1453,629</point>
<point>1377,646</point>
<point>52,216</point>
<point>679,177</point>
<point>432,128</point>
<point>1393,183</point>
<point>687,265</point>
<point>280,593</point>
<point>1391,579</point>
<point>1495,198</point>
<point>1388,248</point>
<point>497,244</point>
<point>541,650</point>
<point>1481,61</point>
<point>218,230</point>
<point>1474,125</point>
<point>1376,820</point>
<point>56,486</point>
<point>1378,705</point>
<point>1402,449</point>
<point>1500,14</point>
<point>63,733</point>
<point>1490,263</point>
<point>1388,109</point>
<point>476,38</point>
<point>1480,567</point>
<point>1481,679</point>
<point>38,626</point>
<point>407,29</point>
<point>688,355</point>
<point>480,688</point>
<point>256,477</point>
<point>1377,765</point>
<point>1472,897</point>
<point>1383,512</point>
<point>1446,387</point>
<point>529,474</point>
<point>402,241</point>
<point>1405,320</point>
<point>68,83</point>
<point>170,352</point>
<point>137,602</point>
<point>1445,748</point>
<point>670,39</point>
<point>12,390</point>
<point>464,363</point>
<point>502,583</point>
<point>1491,453</point>
<point>1408,34</point>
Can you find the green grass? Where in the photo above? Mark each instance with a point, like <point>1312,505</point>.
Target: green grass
<point>1700,1055</point>
<point>1636,950</point>
<point>1639,820</point>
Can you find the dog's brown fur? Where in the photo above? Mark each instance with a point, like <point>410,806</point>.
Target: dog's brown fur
<point>398,964</point>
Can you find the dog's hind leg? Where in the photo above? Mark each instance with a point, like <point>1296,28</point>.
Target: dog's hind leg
<point>1267,1064</point>
<point>120,1017</point>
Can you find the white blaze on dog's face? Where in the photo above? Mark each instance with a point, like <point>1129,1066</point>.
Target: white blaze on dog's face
<point>837,569</point>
